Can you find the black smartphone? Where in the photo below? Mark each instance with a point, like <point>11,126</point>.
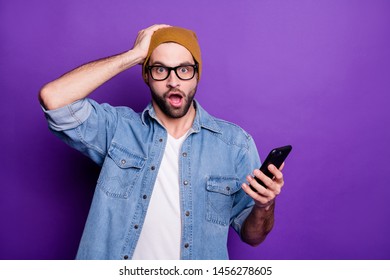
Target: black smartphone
<point>276,157</point>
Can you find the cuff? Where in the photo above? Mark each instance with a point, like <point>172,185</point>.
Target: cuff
<point>240,219</point>
<point>69,116</point>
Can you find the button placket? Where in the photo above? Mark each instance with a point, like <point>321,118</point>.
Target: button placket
<point>185,169</point>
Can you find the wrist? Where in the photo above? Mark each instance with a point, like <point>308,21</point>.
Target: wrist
<point>267,206</point>
<point>136,55</point>
<point>129,59</point>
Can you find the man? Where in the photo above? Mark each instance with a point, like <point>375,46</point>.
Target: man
<point>173,177</point>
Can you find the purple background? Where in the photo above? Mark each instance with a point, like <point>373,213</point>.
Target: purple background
<point>313,74</point>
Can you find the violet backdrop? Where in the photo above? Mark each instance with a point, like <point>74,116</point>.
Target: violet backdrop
<point>313,74</point>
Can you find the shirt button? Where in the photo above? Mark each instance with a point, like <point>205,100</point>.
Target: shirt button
<point>186,245</point>
<point>185,183</point>
<point>160,139</point>
<point>123,161</point>
<point>228,188</point>
<point>187,213</point>
<point>125,257</point>
<point>136,226</point>
<point>153,167</point>
<point>184,154</point>
<point>145,196</point>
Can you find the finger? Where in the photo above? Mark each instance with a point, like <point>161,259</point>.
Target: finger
<point>281,167</point>
<point>258,188</point>
<point>277,181</point>
<point>150,30</point>
<point>278,175</point>
<point>256,196</point>
<point>156,27</point>
<point>264,178</point>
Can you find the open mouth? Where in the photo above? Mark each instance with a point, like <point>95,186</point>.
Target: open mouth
<point>175,99</point>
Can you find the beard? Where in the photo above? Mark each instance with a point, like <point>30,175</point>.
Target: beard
<point>169,110</point>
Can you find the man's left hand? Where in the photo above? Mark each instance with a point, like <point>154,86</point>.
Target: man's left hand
<point>265,197</point>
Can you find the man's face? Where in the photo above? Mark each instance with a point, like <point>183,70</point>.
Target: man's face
<point>173,96</point>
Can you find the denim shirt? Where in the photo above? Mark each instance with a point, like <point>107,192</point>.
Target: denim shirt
<point>214,160</point>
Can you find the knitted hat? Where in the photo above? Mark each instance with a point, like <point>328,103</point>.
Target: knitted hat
<point>181,36</point>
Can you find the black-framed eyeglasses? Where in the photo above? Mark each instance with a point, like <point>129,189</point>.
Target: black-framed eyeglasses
<point>183,72</point>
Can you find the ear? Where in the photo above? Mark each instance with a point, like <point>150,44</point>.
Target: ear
<point>146,78</point>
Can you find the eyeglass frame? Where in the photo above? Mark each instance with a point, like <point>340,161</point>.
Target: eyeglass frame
<point>195,66</point>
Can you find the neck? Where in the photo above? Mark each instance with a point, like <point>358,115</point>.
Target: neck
<point>176,127</point>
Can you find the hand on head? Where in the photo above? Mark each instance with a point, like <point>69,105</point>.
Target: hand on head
<point>143,39</point>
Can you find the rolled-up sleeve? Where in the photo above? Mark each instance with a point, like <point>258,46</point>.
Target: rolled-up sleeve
<point>69,116</point>
<point>84,125</point>
<point>244,203</point>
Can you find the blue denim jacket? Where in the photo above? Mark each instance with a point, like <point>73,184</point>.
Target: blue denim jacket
<point>214,161</point>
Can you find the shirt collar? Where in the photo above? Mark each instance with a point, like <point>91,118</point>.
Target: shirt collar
<point>202,118</point>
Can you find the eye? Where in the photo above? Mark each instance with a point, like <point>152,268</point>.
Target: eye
<point>184,69</point>
<point>160,69</point>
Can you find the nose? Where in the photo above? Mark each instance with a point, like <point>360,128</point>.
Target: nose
<point>173,80</point>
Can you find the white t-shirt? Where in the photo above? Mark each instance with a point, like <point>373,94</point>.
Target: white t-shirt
<point>161,233</point>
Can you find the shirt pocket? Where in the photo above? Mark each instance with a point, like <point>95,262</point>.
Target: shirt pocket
<point>219,198</point>
<point>120,171</point>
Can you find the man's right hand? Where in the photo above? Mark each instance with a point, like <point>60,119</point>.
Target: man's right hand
<point>141,45</point>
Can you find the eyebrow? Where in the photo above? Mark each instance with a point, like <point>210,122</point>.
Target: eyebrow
<point>163,64</point>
